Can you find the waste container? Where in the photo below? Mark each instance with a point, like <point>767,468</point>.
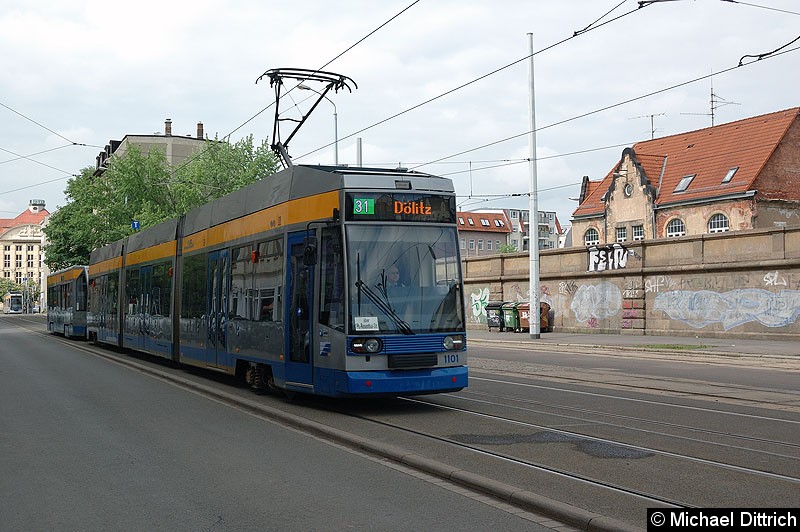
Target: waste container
<point>544,317</point>
<point>524,316</point>
<point>510,317</point>
<point>494,315</point>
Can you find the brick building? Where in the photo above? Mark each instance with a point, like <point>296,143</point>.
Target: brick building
<point>740,175</point>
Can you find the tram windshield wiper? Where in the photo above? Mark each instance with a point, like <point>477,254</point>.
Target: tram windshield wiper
<point>384,307</point>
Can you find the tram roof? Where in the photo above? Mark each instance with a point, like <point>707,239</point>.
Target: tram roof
<point>302,181</point>
<point>295,182</point>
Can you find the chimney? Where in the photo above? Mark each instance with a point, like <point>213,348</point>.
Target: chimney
<point>168,127</point>
<point>200,130</point>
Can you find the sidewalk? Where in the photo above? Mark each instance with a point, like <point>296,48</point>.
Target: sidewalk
<point>728,346</point>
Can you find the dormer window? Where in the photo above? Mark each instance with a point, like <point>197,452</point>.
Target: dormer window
<point>470,221</point>
<point>485,222</point>
<point>683,184</point>
<point>730,174</point>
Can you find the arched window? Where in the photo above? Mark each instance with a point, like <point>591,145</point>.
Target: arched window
<point>718,224</point>
<point>676,227</point>
<point>591,237</point>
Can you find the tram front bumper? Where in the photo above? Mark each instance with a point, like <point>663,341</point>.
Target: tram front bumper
<point>405,382</point>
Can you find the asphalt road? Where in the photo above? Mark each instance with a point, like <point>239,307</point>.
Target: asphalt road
<point>88,444</point>
<point>704,425</point>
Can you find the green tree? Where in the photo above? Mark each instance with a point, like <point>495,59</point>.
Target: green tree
<point>507,248</point>
<point>7,285</point>
<point>220,169</point>
<point>144,187</point>
<point>72,231</point>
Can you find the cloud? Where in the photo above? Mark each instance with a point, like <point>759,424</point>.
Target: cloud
<point>95,71</point>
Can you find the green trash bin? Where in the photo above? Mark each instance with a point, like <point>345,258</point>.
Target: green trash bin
<point>511,317</point>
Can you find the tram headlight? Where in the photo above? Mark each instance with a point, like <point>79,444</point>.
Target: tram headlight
<point>454,342</point>
<point>366,345</point>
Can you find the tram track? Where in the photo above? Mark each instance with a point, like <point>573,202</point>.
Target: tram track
<point>275,409</point>
<point>640,448</point>
<point>689,428</point>
<point>743,474</point>
<point>646,497</point>
<point>407,416</point>
<point>732,393</point>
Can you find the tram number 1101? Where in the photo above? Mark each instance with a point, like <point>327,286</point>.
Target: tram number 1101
<point>451,359</point>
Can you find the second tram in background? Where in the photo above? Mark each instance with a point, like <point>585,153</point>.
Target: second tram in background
<point>333,281</point>
<point>67,301</point>
<point>12,303</point>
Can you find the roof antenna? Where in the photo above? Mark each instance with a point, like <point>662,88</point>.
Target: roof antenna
<point>716,102</point>
<point>302,75</point>
<point>652,125</point>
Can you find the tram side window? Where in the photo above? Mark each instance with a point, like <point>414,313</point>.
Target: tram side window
<point>66,296</point>
<point>242,304</point>
<point>162,290</point>
<point>267,280</point>
<point>80,284</point>
<point>95,289</point>
<point>193,286</point>
<point>52,297</point>
<point>331,312</point>
<point>112,292</point>
<point>132,291</point>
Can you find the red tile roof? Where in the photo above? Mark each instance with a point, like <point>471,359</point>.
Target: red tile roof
<point>497,222</point>
<point>25,218</point>
<point>708,154</point>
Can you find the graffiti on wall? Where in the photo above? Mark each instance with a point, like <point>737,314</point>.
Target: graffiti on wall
<point>596,302</point>
<point>479,298</point>
<point>613,257</point>
<point>478,301</point>
<point>732,308</point>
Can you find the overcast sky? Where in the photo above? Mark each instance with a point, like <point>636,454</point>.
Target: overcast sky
<point>85,72</point>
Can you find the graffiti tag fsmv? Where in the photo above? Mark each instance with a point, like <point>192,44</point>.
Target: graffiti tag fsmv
<point>613,257</point>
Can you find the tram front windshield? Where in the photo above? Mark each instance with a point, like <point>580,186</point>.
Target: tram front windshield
<point>404,279</point>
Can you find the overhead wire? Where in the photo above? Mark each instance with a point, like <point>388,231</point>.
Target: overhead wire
<point>579,152</point>
<point>225,138</point>
<point>37,162</point>
<point>364,38</point>
<point>72,142</point>
<point>740,150</point>
<point>606,108</point>
<point>17,158</point>
<point>762,7</point>
<point>589,28</point>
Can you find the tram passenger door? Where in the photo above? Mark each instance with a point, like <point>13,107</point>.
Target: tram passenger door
<point>299,308</point>
<point>217,316</point>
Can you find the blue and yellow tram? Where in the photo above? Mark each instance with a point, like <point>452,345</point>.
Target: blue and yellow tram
<point>67,301</point>
<point>325,280</point>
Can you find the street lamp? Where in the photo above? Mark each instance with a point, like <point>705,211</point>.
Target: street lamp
<point>304,87</point>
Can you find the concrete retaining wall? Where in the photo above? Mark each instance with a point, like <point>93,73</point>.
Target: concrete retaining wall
<point>736,284</point>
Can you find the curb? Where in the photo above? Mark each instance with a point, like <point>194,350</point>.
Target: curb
<point>617,347</point>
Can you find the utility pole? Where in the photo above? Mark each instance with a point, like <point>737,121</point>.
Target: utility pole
<point>533,214</point>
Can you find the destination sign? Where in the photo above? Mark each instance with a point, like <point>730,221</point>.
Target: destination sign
<point>400,207</point>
